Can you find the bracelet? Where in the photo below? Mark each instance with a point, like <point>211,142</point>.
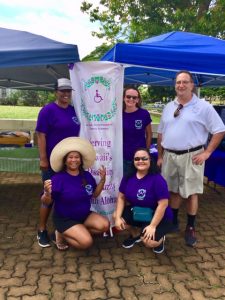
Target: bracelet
<point>102,180</point>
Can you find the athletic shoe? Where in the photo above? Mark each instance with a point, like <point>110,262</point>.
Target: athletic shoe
<point>129,243</point>
<point>190,237</point>
<point>161,247</point>
<point>43,239</point>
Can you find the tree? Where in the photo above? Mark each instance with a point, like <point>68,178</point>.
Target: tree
<point>29,98</point>
<point>97,53</point>
<point>129,20</point>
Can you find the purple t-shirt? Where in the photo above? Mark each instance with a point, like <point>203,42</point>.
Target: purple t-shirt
<point>146,192</point>
<point>134,125</point>
<point>71,198</point>
<point>57,123</point>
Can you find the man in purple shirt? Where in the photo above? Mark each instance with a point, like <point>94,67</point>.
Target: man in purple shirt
<point>56,121</point>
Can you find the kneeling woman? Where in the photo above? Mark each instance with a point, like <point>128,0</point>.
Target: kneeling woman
<point>144,189</point>
<point>71,189</point>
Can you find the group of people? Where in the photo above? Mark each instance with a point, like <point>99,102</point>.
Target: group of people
<point>150,193</point>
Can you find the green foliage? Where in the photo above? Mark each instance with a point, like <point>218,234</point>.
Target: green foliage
<point>161,93</point>
<point>128,20</point>
<point>213,94</point>
<point>97,53</point>
<point>28,98</point>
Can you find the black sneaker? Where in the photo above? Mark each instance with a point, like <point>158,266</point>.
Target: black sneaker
<point>43,239</point>
<point>190,237</point>
<point>161,247</point>
<point>129,243</point>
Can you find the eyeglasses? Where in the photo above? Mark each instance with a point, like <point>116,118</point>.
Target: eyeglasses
<point>182,82</point>
<point>133,97</point>
<point>177,111</point>
<point>143,158</point>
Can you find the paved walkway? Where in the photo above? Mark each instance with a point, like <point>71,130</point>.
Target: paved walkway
<point>106,271</point>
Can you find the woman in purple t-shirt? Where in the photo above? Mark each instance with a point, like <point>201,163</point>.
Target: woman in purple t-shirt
<point>56,121</point>
<point>146,188</point>
<point>71,190</point>
<point>137,130</point>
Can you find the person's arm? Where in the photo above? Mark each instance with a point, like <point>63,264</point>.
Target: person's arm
<point>120,204</point>
<point>160,149</point>
<point>149,231</point>
<point>198,159</point>
<point>148,135</point>
<point>99,187</point>
<point>46,198</point>
<point>44,164</point>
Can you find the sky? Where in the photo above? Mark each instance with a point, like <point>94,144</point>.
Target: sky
<point>60,20</point>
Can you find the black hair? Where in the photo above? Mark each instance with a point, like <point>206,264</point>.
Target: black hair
<point>81,167</point>
<point>154,169</point>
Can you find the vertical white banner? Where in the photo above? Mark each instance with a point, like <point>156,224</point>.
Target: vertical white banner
<point>98,103</point>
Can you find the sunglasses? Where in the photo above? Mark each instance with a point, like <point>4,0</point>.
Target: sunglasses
<point>143,158</point>
<point>133,97</point>
<point>177,111</point>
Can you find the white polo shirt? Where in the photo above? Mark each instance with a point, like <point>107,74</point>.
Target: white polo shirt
<point>190,129</point>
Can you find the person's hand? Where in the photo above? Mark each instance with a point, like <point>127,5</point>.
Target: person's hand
<point>44,164</point>
<point>199,159</point>
<point>149,233</point>
<point>47,187</point>
<point>159,162</point>
<point>102,172</point>
<point>120,223</point>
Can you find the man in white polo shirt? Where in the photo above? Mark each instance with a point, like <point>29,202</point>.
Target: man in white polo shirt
<point>182,135</point>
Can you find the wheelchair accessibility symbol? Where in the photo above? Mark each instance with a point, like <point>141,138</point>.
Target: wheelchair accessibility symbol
<point>97,98</point>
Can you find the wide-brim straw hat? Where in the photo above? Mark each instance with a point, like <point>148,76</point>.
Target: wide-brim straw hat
<point>83,146</point>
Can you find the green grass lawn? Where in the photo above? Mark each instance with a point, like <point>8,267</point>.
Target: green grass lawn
<point>155,118</point>
<point>28,112</point>
<point>19,152</point>
<point>19,112</point>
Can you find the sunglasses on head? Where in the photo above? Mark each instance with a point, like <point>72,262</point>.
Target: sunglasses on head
<point>143,158</point>
<point>177,111</point>
<point>133,97</point>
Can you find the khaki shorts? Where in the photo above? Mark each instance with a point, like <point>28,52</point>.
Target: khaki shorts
<point>182,176</point>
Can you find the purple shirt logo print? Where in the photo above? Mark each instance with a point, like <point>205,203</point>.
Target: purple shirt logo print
<point>141,194</point>
<point>89,189</point>
<point>75,120</point>
<point>138,124</point>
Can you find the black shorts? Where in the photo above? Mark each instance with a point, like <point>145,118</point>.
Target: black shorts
<point>62,224</point>
<point>164,227</point>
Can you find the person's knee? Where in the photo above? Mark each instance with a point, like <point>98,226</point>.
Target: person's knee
<point>150,243</point>
<point>105,225</point>
<point>86,242</point>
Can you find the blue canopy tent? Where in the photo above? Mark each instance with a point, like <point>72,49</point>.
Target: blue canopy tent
<point>29,61</point>
<point>156,60</point>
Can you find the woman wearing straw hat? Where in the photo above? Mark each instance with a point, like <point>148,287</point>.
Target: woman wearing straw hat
<point>72,189</point>
<point>56,121</point>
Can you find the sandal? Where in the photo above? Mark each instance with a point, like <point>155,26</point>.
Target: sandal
<point>60,245</point>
